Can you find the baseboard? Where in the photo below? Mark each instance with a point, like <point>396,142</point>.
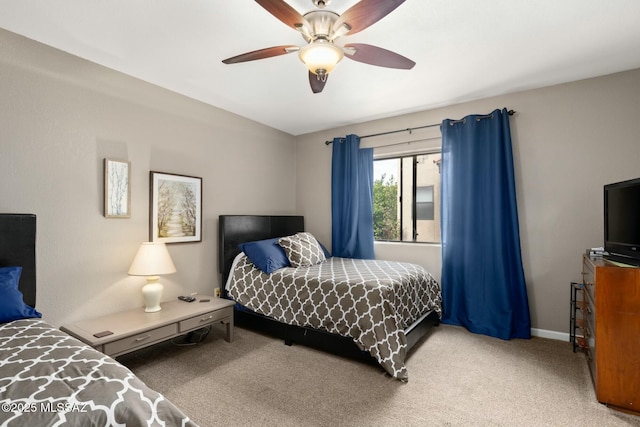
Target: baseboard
<point>543,333</point>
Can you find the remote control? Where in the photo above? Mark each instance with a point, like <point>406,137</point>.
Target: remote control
<point>186,298</point>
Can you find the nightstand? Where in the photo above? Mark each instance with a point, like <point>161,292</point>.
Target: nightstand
<point>135,329</point>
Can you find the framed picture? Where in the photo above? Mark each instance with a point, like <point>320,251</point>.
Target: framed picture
<point>175,208</point>
<point>117,190</point>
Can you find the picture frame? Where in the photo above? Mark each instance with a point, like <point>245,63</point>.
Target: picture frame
<point>117,188</point>
<point>175,208</point>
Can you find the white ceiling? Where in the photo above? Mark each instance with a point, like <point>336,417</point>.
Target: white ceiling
<point>464,50</point>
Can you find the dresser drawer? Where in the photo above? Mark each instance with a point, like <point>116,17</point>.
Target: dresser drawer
<point>205,319</point>
<point>589,335</point>
<point>590,310</point>
<point>588,278</point>
<point>139,340</point>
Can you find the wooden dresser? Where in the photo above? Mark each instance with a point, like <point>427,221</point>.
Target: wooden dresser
<point>612,332</point>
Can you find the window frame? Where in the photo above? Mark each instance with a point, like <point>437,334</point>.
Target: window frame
<point>401,184</point>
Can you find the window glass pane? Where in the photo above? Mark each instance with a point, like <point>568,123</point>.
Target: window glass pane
<point>424,211</point>
<point>424,202</point>
<point>428,198</point>
<point>386,189</point>
<point>424,194</point>
<point>393,198</point>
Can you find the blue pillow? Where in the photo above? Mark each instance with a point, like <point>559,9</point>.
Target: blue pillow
<point>267,255</point>
<point>12,306</point>
<point>327,254</point>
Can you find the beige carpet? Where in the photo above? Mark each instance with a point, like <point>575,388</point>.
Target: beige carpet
<point>455,379</point>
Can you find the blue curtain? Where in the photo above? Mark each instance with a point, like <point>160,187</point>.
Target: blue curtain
<point>483,286</point>
<point>352,199</point>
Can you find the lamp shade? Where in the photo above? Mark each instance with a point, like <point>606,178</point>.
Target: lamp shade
<point>152,259</point>
<point>320,56</point>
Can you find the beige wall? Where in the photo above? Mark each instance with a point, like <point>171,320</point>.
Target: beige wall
<point>60,116</point>
<point>568,141</point>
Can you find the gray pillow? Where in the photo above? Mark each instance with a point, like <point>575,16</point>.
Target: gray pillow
<point>302,249</point>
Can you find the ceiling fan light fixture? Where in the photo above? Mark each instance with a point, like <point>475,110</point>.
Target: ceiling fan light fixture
<point>320,56</point>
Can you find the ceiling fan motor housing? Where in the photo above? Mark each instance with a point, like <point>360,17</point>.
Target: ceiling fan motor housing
<point>320,24</point>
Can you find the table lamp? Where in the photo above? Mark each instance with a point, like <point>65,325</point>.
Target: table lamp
<point>152,260</point>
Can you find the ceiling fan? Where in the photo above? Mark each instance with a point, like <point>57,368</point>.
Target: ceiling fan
<point>321,28</point>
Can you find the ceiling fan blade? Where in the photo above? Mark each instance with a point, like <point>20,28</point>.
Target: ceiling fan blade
<point>261,54</point>
<point>364,14</point>
<point>374,55</point>
<point>283,12</point>
<point>316,84</point>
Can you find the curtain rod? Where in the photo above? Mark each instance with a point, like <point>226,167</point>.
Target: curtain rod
<point>510,112</point>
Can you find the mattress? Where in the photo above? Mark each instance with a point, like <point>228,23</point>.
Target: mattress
<point>370,301</point>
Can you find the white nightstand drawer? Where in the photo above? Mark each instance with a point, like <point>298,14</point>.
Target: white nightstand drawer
<point>139,340</point>
<point>205,319</point>
<point>134,329</point>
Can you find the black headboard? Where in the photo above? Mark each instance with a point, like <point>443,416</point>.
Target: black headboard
<point>236,229</point>
<point>18,248</point>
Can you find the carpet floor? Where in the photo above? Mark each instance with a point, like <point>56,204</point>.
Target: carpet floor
<point>456,378</point>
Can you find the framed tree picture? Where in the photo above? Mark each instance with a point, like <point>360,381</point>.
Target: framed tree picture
<point>117,190</point>
<point>175,208</point>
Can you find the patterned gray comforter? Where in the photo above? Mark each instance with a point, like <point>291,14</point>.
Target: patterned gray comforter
<point>48,378</point>
<point>370,301</point>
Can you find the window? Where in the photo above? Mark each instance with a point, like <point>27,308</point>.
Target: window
<point>406,198</point>
<point>424,203</point>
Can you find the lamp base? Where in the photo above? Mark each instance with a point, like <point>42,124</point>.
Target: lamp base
<point>152,293</point>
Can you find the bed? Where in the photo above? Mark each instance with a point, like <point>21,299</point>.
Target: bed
<point>48,378</point>
<point>369,309</point>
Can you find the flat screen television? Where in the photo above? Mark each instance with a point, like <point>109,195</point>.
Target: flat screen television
<point>622,221</point>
